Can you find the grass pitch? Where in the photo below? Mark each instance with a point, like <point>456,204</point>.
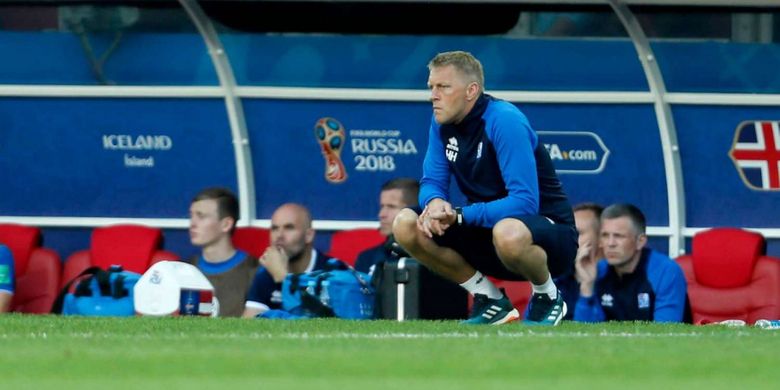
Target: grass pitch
<point>196,353</point>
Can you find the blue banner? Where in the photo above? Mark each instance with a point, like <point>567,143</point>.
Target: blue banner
<point>111,157</point>
<point>717,193</point>
<point>604,153</point>
<point>624,138</point>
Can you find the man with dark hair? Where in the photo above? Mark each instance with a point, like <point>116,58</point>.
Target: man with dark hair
<point>632,283</point>
<point>291,252</point>
<point>395,195</point>
<point>518,223</point>
<point>213,217</point>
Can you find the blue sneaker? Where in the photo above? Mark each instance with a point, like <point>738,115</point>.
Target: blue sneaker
<point>545,311</point>
<point>486,311</point>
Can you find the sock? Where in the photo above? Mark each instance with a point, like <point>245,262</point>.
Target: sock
<point>547,287</point>
<point>479,284</point>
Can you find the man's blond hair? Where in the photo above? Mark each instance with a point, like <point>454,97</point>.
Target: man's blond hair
<point>464,62</point>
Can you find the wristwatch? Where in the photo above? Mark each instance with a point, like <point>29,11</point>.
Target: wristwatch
<point>459,216</point>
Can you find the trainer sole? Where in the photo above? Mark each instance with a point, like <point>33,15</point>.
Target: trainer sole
<point>513,315</point>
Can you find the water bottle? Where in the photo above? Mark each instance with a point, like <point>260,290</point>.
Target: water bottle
<point>767,324</point>
<point>324,294</point>
<point>311,286</point>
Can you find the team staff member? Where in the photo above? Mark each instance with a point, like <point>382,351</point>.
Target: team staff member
<point>518,223</point>
<point>291,251</point>
<point>633,282</point>
<point>396,194</point>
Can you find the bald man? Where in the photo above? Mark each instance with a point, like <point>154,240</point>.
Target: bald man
<point>291,251</point>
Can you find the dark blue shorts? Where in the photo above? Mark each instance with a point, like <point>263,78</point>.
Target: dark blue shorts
<point>475,244</point>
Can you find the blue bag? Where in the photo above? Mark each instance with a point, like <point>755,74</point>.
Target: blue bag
<point>342,293</point>
<point>99,293</point>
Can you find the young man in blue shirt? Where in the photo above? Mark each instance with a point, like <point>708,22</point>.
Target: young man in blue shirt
<point>213,217</point>
<point>518,223</point>
<point>6,279</point>
<point>632,282</point>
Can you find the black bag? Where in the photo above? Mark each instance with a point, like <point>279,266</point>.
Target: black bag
<point>423,294</point>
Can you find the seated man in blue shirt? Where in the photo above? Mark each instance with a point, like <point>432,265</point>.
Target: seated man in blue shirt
<point>6,279</point>
<point>291,251</point>
<point>396,194</point>
<point>632,283</point>
<point>213,217</point>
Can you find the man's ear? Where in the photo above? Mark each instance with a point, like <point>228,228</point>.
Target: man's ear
<point>227,224</point>
<point>641,241</point>
<point>310,235</point>
<point>472,91</point>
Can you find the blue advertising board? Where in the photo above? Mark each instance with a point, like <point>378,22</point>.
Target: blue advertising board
<point>111,157</point>
<point>604,153</point>
<point>718,191</point>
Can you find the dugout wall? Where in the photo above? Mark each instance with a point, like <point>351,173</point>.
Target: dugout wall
<point>104,120</point>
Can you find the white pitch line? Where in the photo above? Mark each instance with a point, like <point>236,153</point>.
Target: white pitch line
<point>374,336</point>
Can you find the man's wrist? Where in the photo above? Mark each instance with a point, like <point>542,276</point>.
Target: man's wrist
<point>459,216</point>
<point>586,289</point>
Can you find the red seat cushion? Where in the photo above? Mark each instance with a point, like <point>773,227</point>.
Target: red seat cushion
<point>130,246</point>
<point>252,240</point>
<point>725,257</point>
<point>21,240</point>
<point>37,289</point>
<point>346,245</point>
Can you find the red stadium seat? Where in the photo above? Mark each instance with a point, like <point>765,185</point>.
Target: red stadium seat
<point>729,277</point>
<point>252,240</point>
<point>346,245</point>
<point>37,269</point>
<point>134,247</point>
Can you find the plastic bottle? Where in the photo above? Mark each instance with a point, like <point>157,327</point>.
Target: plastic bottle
<point>767,324</point>
<point>324,294</point>
<point>311,287</point>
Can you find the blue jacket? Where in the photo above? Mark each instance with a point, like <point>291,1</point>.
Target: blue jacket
<point>498,163</point>
<point>655,291</point>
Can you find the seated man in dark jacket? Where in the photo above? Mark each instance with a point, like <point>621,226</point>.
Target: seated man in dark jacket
<point>396,194</point>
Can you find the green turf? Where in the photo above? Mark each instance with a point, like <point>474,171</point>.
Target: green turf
<point>167,353</point>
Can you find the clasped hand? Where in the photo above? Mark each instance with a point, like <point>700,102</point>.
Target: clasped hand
<point>437,217</point>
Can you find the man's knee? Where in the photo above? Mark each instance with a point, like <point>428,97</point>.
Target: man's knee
<point>405,226</point>
<point>511,237</point>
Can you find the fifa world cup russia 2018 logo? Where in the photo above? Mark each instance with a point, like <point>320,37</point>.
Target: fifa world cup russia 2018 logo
<point>330,135</point>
